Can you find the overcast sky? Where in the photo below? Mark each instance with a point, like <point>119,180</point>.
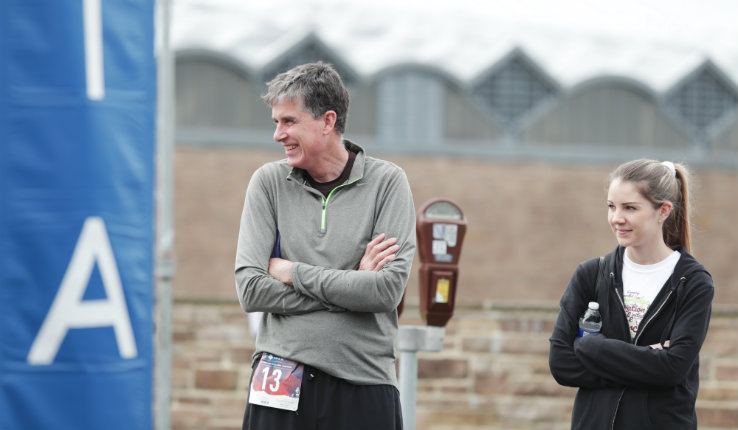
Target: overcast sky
<point>656,41</point>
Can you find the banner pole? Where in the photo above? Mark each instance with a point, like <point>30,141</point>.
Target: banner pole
<point>165,262</point>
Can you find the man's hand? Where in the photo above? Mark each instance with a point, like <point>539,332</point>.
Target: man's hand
<point>281,270</point>
<point>378,253</point>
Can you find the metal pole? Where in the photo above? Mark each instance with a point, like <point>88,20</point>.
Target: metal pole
<point>165,263</point>
<point>410,340</point>
<point>408,387</point>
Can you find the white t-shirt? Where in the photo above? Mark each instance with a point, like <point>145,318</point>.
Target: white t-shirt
<point>641,284</point>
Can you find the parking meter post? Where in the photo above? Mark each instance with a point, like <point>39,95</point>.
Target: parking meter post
<point>410,340</point>
<point>408,387</point>
<point>440,230</point>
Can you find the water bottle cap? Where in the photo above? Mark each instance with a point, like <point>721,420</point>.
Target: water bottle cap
<point>594,305</point>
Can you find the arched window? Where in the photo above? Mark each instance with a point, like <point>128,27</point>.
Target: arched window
<point>308,50</point>
<point>702,100</point>
<point>410,108</point>
<point>513,88</point>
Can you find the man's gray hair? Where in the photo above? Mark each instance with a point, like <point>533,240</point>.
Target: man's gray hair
<point>319,87</point>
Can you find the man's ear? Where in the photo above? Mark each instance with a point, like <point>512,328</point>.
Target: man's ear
<point>329,121</point>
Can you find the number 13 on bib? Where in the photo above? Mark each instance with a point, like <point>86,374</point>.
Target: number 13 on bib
<point>276,383</point>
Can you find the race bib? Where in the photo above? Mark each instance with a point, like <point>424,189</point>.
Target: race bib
<point>276,383</point>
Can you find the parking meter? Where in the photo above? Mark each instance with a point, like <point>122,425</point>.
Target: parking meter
<point>440,229</point>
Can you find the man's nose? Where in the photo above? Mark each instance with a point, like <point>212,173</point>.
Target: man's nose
<point>279,133</point>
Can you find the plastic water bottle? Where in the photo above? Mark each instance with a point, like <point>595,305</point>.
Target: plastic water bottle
<point>591,321</point>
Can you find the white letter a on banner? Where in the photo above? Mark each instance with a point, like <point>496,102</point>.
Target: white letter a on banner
<point>69,310</point>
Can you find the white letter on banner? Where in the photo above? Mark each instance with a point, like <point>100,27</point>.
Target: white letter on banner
<point>69,310</point>
<point>94,49</point>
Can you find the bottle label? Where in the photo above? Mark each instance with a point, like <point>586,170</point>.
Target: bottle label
<point>583,332</point>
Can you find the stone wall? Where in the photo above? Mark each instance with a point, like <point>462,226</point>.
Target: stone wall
<point>491,374</point>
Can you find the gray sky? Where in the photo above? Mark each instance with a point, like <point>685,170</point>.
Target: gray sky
<point>655,42</point>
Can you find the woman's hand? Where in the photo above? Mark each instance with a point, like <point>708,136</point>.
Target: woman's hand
<point>659,346</point>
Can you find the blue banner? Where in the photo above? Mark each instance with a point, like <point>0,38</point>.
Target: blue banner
<point>77,143</point>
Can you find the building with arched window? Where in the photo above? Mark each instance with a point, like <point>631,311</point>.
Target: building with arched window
<point>406,98</point>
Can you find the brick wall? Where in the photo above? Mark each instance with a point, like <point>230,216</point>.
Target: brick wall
<point>491,374</point>
<point>493,371</point>
<point>518,213</point>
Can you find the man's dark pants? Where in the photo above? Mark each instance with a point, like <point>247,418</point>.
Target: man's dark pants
<point>331,403</point>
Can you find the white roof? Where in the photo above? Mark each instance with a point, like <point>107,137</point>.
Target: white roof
<point>655,42</point>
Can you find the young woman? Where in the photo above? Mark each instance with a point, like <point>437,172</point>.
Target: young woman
<point>642,370</point>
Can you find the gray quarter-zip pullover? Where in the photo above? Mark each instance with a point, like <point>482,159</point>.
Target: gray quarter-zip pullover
<point>335,318</point>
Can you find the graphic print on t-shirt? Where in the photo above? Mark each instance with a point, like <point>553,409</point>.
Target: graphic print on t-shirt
<point>641,285</point>
<point>635,307</point>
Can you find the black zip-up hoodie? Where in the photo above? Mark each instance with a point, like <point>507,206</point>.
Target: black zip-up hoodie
<point>623,382</point>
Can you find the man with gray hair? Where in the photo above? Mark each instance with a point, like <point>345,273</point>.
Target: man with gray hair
<point>340,229</point>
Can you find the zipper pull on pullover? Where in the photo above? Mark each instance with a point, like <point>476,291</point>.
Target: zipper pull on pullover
<point>324,200</point>
<point>322,214</point>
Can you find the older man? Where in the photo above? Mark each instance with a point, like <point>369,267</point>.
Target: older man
<point>344,228</point>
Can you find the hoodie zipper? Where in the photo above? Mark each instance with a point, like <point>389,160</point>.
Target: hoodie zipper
<point>617,406</point>
<point>325,203</point>
<point>622,392</point>
<point>641,329</point>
